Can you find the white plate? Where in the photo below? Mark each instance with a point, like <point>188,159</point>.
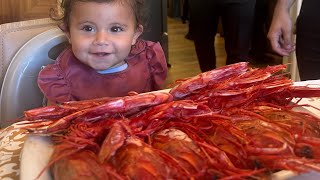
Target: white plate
<point>37,151</point>
<point>312,102</point>
<point>35,156</point>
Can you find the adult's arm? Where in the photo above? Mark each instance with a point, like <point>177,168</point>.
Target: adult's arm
<point>280,30</point>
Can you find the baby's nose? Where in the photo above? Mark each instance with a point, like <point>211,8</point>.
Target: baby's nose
<point>101,39</point>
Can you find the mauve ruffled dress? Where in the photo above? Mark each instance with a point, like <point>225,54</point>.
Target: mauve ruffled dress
<point>70,80</point>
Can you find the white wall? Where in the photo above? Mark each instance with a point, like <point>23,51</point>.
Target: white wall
<point>293,69</point>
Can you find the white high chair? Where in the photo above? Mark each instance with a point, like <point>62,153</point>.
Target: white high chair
<point>25,48</point>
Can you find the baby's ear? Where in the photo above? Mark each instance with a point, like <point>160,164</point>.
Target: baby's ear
<point>63,27</point>
<point>137,34</point>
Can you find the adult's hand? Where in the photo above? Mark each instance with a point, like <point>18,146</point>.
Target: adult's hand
<point>280,32</point>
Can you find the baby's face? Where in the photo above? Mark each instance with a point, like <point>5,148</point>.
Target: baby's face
<point>101,34</point>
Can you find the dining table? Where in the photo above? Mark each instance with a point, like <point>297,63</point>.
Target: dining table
<point>13,137</point>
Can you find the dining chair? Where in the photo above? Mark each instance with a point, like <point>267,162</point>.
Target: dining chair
<point>25,47</point>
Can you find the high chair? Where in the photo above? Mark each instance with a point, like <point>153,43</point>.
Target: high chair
<point>25,47</point>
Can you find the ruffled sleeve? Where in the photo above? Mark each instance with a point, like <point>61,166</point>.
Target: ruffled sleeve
<point>158,64</point>
<point>53,84</point>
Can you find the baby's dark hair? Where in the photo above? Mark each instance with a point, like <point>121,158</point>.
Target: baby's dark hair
<point>138,8</point>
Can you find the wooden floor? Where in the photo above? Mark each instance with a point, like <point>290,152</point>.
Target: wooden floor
<point>182,55</point>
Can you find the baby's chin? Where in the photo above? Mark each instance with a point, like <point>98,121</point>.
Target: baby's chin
<point>103,66</point>
<point>100,67</point>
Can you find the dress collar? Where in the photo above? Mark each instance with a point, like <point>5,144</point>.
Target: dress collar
<point>137,48</point>
<point>114,69</point>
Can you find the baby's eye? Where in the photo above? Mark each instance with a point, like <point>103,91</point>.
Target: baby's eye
<point>116,29</point>
<point>87,28</point>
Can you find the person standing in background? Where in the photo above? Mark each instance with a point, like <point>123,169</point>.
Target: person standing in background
<point>185,11</point>
<point>186,17</point>
<point>261,51</point>
<point>307,40</point>
<point>237,21</point>
<point>259,43</point>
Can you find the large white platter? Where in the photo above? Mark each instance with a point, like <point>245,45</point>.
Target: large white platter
<point>38,149</point>
<point>35,155</point>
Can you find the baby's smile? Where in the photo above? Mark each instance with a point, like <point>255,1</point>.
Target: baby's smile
<point>101,54</point>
